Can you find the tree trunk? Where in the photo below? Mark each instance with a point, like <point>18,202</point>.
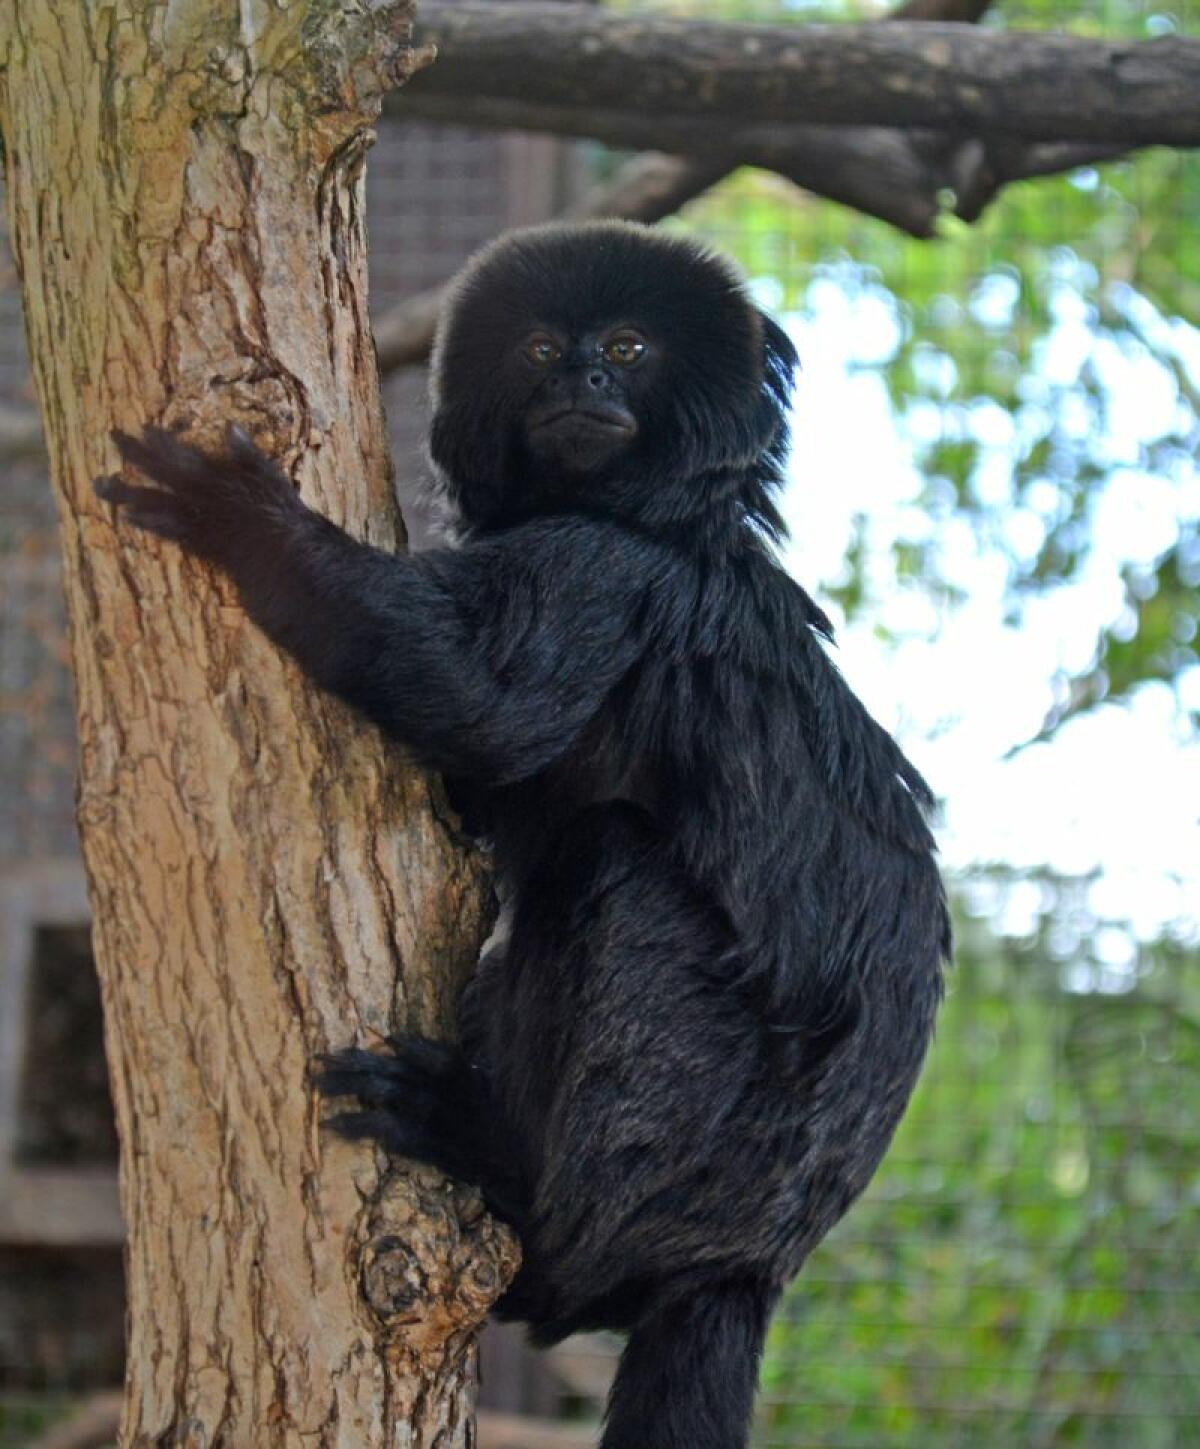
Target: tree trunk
<point>267,879</point>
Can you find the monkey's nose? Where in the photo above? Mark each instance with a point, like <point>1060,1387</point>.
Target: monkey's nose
<point>596,379</point>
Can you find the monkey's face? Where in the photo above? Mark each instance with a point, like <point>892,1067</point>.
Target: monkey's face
<point>581,416</point>
<point>606,366</point>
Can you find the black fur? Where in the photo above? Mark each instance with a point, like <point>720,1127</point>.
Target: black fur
<point>723,928</point>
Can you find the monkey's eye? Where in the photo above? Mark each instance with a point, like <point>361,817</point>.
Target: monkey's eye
<point>625,348</point>
<point>542,350</point>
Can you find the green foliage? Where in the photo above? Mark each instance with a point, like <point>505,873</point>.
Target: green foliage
<point>1024,1268</point>
<point>1023,342</point>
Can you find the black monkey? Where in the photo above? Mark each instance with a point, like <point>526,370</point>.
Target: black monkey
<point>722,931</point>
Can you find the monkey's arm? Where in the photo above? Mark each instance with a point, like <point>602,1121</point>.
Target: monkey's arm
<point>487,660</point>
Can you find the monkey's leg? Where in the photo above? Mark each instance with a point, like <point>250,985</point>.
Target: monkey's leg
<point>618,1049</point>
<point>622,1050</point>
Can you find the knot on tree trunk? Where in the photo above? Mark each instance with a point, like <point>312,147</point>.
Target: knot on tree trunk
<point>433,1261</point>
<point>357,52</point>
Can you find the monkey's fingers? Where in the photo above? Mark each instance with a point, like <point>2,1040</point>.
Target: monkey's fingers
<point>414,1067</point>
<point>149,509</point>
<point>375,1078</point>
<point>345,1073</point>
<point>162,456</point>
<point>113,489</point>
<point>394,1134</point>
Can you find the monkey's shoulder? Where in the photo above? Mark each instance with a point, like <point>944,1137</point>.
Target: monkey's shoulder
<point>777,662</point>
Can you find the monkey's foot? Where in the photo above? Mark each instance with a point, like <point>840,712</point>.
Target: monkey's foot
<point>423,1100</point>
<point>404,1092</point>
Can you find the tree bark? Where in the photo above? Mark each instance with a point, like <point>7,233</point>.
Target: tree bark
<point>955,77</point>
<point>267,879</point>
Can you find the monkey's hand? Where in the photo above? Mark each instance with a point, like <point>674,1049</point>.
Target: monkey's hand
<point>225,508</point>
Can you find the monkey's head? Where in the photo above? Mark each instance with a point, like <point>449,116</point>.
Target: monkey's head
<point>608,367</point>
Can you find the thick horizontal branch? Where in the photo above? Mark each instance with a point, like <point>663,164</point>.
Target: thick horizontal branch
<point>950,77</point>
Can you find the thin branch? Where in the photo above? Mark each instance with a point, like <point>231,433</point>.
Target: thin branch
<point>404,334</point>
<point>648,187</point>
<point>934,76</point>
<point>980,170</point>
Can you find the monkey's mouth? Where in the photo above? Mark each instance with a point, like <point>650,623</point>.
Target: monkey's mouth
<point>575,441</point>
<point>585,422</point>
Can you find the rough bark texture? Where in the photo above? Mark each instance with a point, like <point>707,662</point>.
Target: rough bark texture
<point>945,76</point>
<point>185,186</point>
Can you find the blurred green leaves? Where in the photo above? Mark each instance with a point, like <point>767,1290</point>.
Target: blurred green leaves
<point>1024,1270</point>
<point>1046,358</point>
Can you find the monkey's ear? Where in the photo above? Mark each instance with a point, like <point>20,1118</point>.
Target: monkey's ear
<point>466,464</point>
<point>782,359</point>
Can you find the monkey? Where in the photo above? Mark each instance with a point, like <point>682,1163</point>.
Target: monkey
<point>722,930</point>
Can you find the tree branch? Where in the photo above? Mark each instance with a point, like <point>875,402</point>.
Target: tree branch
<point>878,177</point>
<point>898,177</point>
<point>877,170</point>
<point>909,74</point>
<point>979,170</point>
<point>648,188</point>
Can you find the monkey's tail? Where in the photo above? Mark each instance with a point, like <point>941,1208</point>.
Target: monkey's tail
<point>687,1377</point>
